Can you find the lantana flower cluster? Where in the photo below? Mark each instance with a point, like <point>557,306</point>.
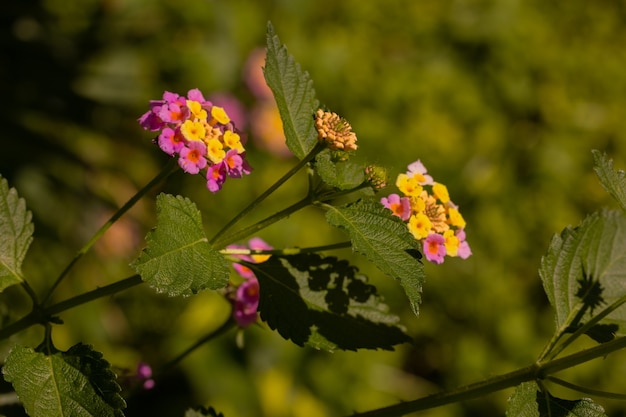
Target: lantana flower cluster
<point>245,296</point>
<point>202,136</point>
<point>430,215</point>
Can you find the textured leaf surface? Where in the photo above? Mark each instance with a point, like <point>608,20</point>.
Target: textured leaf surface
<point>343,174</point>
<point>385,240</point>
<point>294,95</point>
<point>528,401</point>
<point>178,259</point>
<point>613,181</point>
<point>16,235</point>
<point>203,412</point>
<point>585,268</point>
<point>324,303</point>
<point>75,383</point>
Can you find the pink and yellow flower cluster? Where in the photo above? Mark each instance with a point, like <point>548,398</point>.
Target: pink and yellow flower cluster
<point>430,215</point>
<point>202,136</point>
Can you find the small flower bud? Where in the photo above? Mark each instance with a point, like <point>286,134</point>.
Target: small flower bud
<point>376,176</point>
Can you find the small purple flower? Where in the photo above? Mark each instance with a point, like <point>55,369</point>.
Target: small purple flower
<point>192,158</point>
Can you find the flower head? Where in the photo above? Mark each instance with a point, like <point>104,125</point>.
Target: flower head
<point>335,131</point>
<point>431,217</point>
<point>200,134</point>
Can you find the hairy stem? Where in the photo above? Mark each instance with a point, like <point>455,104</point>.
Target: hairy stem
<point>263,223</point>
<point>165,172</point>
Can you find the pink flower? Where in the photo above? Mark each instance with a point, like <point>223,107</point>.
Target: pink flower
<point>418,170</point>
<point>215,177</point>
<point>150,119</point>
<point>235,164</point>
<point>191,157</point>
<point>400,207</point>
<point>435,248</point>
<point>246,303</point>
<point>170,141</point>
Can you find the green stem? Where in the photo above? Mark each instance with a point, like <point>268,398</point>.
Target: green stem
<point>227,325</point>
<point>306,201</point>
<point>536,371</point>
<point>166,171</point>
<point>581,330</point>
<point>31,293</point>
<point>467,392</point>
<point>42,315</point>
<point>286,251</point>
<point>330,196</point>
<point>585,390</point>
<point>316,149</point>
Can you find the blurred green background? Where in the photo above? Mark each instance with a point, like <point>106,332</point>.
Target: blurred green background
<point>501,100</point>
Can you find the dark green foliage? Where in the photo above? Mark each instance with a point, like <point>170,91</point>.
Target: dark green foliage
<point>203,412</point>
<point>325,303</point>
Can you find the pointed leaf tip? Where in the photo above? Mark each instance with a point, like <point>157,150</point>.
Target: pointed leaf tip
<point>294,95</point>
<point>612,181</point>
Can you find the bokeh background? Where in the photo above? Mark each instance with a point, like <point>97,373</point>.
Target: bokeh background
<point>502,101</point>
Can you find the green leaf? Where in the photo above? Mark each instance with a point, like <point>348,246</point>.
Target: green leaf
<point>385,240</point>
<point>178,259</point>
<point>75,383</point>
<point>16,235</point>
<point>613,181</point>
<point>585,270</point>
<point>203,412</point>
<point>342,175</point>
<point>528,401</point>
<point>324,303</point>
<point>294,95</point>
